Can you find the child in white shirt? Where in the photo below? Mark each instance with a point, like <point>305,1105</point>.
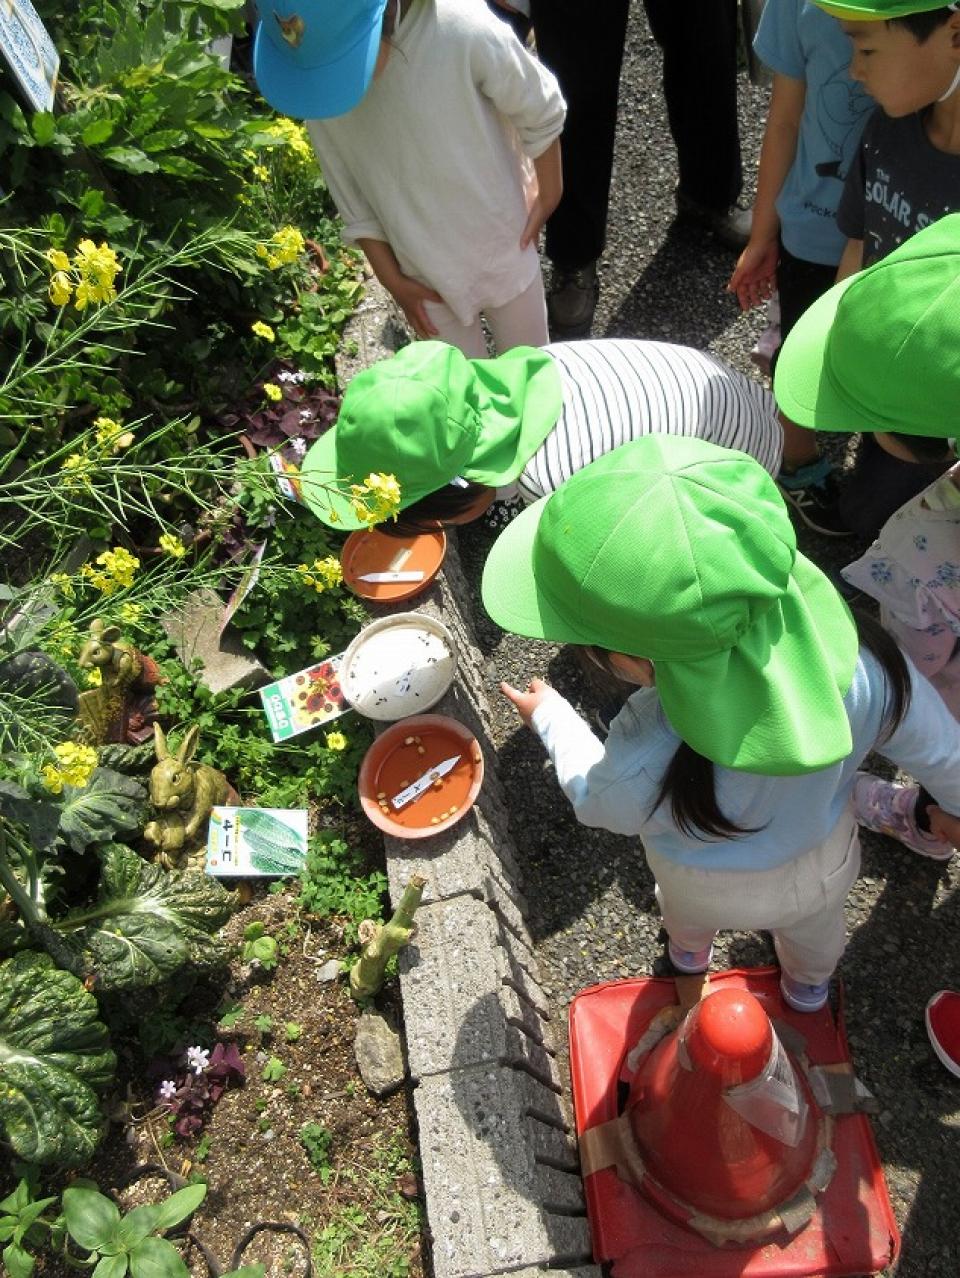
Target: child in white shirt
<point>427,164</point>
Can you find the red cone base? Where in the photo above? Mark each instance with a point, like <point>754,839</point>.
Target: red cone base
<point>693,1143</point>
<point>852,1232</point>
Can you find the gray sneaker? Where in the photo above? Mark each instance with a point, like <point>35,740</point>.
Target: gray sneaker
<point>572,301</point>
<point>731,226</point>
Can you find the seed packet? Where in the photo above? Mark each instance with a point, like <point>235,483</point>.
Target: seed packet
<point>301,701</point>
<point>256,842</point>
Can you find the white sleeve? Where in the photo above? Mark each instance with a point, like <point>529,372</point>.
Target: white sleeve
<point>519,85</point>
<point>607,784</point>
<point>360,222</point>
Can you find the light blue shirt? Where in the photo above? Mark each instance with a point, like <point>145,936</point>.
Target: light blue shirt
<point>799,40</point>
<point>613,785</point>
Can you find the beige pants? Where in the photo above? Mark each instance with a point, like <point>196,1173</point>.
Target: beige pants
<point>520,322</point>
<point>801,903</point>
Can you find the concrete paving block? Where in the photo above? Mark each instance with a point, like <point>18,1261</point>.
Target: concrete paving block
<point>375,331</point>
<point>588,1271</point>
<point>194,629</point>
<point>456,862</point>
<point>488,1199</point>
<point>458,1010</point>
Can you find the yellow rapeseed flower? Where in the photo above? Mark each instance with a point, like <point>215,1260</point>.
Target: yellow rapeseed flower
<point>111,436</point>
<point>376,499</point>
<point>117,567</point>
<point>58,259</point>
<point>272,392</point>
<point>172,546</point>
<point>263,330</point>
<point>61,289</point>
<point>75,765</point>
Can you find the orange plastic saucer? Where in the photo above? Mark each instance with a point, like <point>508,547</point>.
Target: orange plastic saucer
<point>372,551</point>
<point>390,765</point>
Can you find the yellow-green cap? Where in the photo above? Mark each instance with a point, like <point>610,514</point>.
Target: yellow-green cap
<point>880,351</point>
<point>680,551</point>
<point>428,415</point>
<point>877,10</point>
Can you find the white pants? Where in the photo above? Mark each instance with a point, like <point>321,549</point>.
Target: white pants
<point>520,322</point>
<point>801,903</point>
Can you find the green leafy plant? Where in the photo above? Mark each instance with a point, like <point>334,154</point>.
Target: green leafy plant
<point>317,1140</point>
<point>292,1031</point>
<point>263,1023</point>
<point>274,1070</point>
<point>115,1244</point>
<point>337,881</point>
<point>55,1061</point>
<point>232,1017</point>
<point>258,947</point>
<point>22,1225</point>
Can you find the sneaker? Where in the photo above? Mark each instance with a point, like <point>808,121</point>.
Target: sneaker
<point>731,226</point>
<point>890,808</point>
<point>690,962</point>
<point>801,997</point>
<point>943,1028</point>
<point>572,301</point>
<point>812,493</point>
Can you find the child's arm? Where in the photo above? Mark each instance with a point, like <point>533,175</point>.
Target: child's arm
<point>754,277</point>
<point>549,189</point>
<point>851,261</point>
<point>409,294</point>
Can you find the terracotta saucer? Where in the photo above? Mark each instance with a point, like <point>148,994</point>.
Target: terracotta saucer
<point>402,755</point>
<point>370,551</point>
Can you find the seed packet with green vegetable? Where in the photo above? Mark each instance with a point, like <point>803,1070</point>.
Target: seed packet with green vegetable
<point>256,842</point>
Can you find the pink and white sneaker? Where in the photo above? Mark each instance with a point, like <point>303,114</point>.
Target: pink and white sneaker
<point>890,808</point>
<point>943,1027</point>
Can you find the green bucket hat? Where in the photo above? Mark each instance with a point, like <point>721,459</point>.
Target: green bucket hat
<point>881,350</point>
<point>877,10</point>
<point>683,552</point>
<point>429,415</point>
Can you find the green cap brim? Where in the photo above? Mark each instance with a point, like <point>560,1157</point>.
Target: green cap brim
<point>428,415</point>
<point>773,705</point>
<point>804,387</point>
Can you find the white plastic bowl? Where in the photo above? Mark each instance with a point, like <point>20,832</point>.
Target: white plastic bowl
<point>398,666</point>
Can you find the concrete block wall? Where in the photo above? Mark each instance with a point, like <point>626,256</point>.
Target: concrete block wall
<point>500,1170</point>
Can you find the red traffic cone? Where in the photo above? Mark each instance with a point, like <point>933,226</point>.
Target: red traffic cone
<point>724,1122</point>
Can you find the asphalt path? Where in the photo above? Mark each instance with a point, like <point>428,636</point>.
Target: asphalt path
<point>592,908</point>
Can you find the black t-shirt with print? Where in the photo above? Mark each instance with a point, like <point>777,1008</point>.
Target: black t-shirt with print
<point>898,184</point>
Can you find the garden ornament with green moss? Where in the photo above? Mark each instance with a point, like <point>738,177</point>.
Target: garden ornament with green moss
<point>182,795</point>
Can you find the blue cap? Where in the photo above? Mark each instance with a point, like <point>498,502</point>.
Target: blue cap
<point>315,58</point>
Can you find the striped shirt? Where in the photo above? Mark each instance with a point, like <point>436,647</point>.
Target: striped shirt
<point>617,391</point>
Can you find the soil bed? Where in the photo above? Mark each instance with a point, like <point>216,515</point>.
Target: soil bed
<point>359,1201</point>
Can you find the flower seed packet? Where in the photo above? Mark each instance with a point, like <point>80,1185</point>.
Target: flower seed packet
<point>301,701</point>
<point>256,842</point>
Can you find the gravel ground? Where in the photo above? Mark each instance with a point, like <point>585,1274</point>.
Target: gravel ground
<point>592,909</point>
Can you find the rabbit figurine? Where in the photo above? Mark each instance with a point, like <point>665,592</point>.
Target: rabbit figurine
<point>182,794</point>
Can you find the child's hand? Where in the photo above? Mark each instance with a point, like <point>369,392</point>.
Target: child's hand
<point>536,220</point>
<point>943,825</point>
<point>526,702</point>
<point>410,296</point>
<point>755,276</point>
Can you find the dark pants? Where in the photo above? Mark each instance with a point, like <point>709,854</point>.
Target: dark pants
<point>583,46</point>
<point>879,484</point>
<point>699,39</point>
<point>799,284</point>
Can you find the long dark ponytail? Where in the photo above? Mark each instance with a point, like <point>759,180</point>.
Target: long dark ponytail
<point>689,784</point>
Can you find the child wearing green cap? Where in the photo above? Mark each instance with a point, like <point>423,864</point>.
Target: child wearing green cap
<point>458,432</point>
<point>760,695</point>
<point>906,54</point>
<point>881,352</point>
